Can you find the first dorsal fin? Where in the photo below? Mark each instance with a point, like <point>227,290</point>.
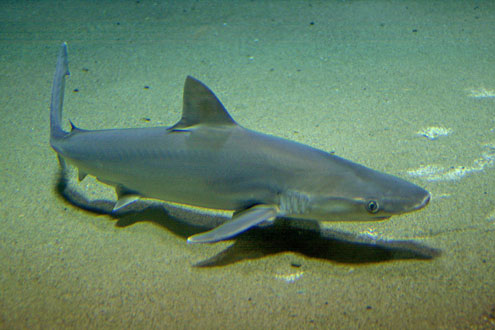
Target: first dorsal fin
<point>201,107</point>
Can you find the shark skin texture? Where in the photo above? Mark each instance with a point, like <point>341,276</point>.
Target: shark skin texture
<point>208,160</point>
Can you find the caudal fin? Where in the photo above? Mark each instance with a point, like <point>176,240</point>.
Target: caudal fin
<point>57,101</point>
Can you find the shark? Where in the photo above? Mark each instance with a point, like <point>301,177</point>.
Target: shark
<point>208,160</point>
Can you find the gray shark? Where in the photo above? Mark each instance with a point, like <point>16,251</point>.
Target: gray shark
<point>208,160</point>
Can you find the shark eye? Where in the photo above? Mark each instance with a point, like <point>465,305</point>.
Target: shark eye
<point>372,207</point>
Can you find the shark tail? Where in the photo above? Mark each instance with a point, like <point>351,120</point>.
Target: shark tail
<point>57,102</point>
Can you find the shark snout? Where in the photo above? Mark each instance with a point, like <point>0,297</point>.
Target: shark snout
<point>406,197</point>
<point>415,200</point>
<point>424,201</point>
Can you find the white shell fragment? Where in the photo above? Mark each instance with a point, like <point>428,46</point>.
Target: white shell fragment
<point>434,172</point>
<point>434,132</point>
<point>289,278</point>
<point>481,93</point>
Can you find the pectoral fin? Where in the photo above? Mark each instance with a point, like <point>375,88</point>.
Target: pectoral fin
<point>239,223</point>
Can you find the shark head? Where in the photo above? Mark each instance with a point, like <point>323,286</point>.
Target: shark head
<point>358,193</point>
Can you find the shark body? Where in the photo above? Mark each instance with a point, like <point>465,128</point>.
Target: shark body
<point>208,160</point>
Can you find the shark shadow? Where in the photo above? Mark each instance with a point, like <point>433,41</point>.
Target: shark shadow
<point>325,244</point>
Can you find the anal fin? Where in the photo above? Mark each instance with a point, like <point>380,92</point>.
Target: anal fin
<point>81,175</point>
<point>125,197</point>
<point>239,223</point>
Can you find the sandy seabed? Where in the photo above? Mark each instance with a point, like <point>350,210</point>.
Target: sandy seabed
<point>360,78</point>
